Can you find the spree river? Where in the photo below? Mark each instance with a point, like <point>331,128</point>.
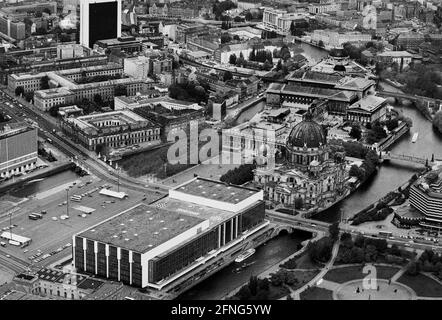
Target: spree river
<point>226,280</point>
<point>391,175</point>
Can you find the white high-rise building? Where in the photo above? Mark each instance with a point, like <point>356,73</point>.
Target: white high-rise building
<point>99,20</point>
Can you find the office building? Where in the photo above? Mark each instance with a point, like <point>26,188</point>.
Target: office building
<point>99,20</point>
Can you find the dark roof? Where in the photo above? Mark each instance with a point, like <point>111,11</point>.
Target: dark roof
<point>308,134</point>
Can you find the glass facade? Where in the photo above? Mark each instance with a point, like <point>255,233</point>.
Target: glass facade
<point>79,254</point>
<point>101,260</point>
<point>252,217</point>
<point>124,267</point>
<point>167,264</point>
<point>90,256</point>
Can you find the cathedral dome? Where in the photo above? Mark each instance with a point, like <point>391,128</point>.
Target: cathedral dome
<point>308,134</point>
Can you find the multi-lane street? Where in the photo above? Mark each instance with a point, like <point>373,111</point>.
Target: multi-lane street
<point>21,110</point>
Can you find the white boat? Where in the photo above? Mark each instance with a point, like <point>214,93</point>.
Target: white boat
<point>243,256</point>
<point>414,138</point>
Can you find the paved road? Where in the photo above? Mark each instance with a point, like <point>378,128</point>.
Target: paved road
<point>320,275</point>
<point>47,126</point>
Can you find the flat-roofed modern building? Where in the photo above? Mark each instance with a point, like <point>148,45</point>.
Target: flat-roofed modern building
<point>111,129</point>
<point>99,20</point>
<point>18,149</point>
<point>163,245</point>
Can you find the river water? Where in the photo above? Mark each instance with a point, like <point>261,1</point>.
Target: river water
<point>388,177</point>
<point>53,181</point>
<point>266,256</point>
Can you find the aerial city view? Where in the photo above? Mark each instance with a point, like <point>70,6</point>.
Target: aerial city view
<point>222,150</point>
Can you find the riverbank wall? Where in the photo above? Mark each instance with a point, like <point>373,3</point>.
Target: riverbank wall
<point>43,173</point>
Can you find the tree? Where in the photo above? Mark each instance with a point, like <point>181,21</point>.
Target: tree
<point>120,90</point>
<point>19,91</point>
<point>244,293</point>
<point>333,229</point>
<point>292,28</point>
<point>45,82</point>
<point>413,268</point>
<point>225,38</point>
<point>98,99</point>
<point>47,10</point>
<point>299,203</point>
<point>53,111</point>
<point>321,43</point>
<point>232,58</point>
<point>227,76</point>
<point>267,65</point>
<point>253,285</point>
<point>437,121</point>
<point>355,171</point>
<point>252,55</point>
<point>279,65</point>
<point>284,53</point>
<point>355,132</point>
<point>249,16</point>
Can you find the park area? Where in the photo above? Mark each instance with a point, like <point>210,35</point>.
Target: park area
<point>345,274</point>
<point>423,286</point>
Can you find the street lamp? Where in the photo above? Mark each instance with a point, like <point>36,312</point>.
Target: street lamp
<point>10,224</point>
<point>67,200</point>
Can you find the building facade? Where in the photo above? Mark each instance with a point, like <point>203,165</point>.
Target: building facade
<point>426,197</point>
<point>18,149</point>
<point>163,245</point>
<point>309,180</point>
<point>99,20</point>
<point>111,129</point>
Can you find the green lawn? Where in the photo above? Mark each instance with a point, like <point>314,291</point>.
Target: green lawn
<point>304,262</point>
<point>422,285</point>
<point>276,293</point>
<point>315,293</point>
<point>303,277</point>
<point>342,275</point>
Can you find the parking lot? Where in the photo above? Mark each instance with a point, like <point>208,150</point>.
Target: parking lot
<point>52,233</point>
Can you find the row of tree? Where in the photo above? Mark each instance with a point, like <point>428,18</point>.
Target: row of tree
<point>365,249</point>
<point>239,175</point>
<point>260,55</point>
<point>191,91</point>
<point>429,261</point>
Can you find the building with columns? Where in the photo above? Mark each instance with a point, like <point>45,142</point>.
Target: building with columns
<point>162,245</point>
<point>309,179</point>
